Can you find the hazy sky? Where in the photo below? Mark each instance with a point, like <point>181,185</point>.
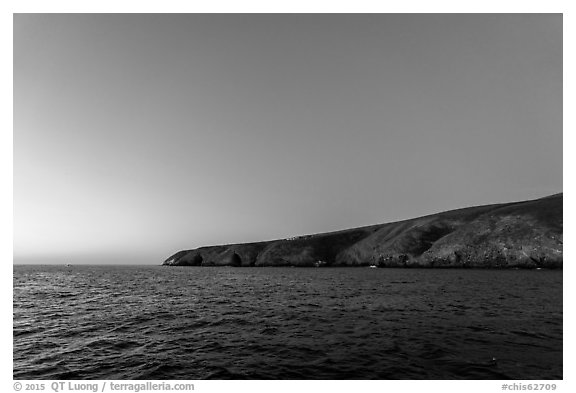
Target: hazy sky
<point>139,135</point>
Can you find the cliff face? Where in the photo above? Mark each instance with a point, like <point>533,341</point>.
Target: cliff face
<point>521,234</point>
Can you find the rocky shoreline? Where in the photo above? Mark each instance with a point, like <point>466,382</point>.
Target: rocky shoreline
<point>510,235</point>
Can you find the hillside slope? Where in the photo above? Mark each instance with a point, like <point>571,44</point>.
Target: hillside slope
<point>520,234</point>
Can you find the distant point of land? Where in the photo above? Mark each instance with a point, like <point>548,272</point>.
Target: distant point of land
<point>509,235</point>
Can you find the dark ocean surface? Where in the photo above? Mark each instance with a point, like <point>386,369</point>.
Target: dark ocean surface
<point>154,322</point>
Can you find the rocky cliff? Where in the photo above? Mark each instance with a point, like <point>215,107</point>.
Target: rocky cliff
<point>520,234</point>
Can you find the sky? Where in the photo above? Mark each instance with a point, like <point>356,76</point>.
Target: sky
<point>139,135</point>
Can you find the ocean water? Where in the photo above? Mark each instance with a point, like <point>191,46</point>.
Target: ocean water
<point>155,322</point>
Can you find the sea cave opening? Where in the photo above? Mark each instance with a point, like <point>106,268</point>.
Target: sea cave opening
<point>236,260</point>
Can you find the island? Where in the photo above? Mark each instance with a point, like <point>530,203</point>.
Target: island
<point>524,234</point>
